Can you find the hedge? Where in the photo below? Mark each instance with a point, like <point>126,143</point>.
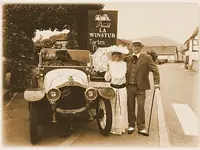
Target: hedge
<point>20,22</point>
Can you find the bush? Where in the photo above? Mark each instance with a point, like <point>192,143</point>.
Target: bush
<point>20,21</point>
<point>153,55</point>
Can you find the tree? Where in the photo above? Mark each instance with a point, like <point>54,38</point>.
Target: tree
<point>153,55</point>
<point>20,22</point>
<point>47,43</point>
<point>39,40</point>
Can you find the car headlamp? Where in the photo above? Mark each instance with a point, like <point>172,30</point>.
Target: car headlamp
<point>91,93</point>
<point>41,74</point>
<point>53,94</point>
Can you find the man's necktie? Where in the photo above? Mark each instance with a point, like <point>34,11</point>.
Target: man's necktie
<point>135,58</point>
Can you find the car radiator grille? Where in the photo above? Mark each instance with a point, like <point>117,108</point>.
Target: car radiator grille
<point>71,98</point>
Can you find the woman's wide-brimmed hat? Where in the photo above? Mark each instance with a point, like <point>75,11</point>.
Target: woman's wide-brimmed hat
<point>114,48</point>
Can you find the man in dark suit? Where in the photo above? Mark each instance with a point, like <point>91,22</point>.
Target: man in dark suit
<point>138,67</point>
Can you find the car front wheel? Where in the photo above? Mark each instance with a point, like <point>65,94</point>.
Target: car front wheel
<point>33,123</point>
<point>104,116</point>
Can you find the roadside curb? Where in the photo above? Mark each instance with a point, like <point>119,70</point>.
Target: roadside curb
<point>163,131</point>
<point>11,100</point>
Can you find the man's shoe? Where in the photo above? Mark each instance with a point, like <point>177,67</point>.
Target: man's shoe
<point>130,130</point>
<point>143,132</point>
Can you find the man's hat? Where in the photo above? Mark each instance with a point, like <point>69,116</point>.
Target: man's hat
<point>137,42</point>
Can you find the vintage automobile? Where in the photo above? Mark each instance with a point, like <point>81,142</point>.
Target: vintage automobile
<point>61,91</point>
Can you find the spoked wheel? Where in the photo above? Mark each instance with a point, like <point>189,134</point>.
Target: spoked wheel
<point>33,123</point>
<point>104,116</point>
<point>55,63</point>
<point>65,128</point>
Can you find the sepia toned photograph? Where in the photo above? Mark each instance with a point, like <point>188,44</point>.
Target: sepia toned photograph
<point>101,74</point>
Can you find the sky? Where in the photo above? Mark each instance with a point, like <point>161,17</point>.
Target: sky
<point>47,33</point>
<point>176,21</point>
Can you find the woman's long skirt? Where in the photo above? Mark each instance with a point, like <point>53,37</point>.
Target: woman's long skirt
<point>119,111</point>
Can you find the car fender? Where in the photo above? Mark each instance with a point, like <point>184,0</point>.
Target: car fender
<point>33,95</point>
<point>106,92</point>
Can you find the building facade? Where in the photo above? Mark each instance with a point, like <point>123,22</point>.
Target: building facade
<point>191,48</point>
<point>166,53</point>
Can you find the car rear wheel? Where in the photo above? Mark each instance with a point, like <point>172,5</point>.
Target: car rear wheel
<point>104,116</point>
<point>33,124</point>
<point>55,63</point>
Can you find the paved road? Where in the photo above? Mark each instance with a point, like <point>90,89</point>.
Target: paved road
<point>177,86</point>
<point>180,87</point>
<point>16,131</point>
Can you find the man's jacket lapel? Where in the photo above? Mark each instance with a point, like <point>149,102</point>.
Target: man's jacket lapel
<point>129,62</point>
<point>139,62</point>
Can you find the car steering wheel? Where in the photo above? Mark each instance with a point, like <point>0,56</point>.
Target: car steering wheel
<point>55,63</point>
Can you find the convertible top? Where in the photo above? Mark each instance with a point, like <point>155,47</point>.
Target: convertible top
<point>69,54</point>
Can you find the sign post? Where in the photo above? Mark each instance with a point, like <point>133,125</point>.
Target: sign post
<point>102,29</point>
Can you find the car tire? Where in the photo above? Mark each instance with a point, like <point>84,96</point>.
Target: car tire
<point>64,129</point>
<point>33,124</point>
<point>34,81</point>
<point>104,129</point>
<point>55,63</point>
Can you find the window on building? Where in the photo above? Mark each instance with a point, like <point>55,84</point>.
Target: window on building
<point>195,45</point>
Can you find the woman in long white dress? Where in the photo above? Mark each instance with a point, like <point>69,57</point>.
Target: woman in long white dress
<point>116,74</point>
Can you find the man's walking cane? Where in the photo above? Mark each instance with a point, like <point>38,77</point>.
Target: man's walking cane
<point>147,134</point>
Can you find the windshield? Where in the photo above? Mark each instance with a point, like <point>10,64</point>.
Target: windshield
<point>63,57</point>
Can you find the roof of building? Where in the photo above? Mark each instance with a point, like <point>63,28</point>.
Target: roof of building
<point>161,50</point>
<point>196,31</point>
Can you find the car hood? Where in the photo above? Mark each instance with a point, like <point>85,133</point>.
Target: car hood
<point>58,77</point>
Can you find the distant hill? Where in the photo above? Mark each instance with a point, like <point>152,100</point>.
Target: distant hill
<point>158,41</point>
<point>152,41</point>
<point>123,42</point>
